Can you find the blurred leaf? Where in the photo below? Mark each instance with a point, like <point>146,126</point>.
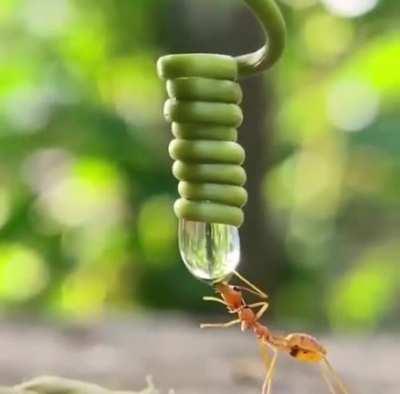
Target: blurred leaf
<point>157,229</point>
<point>23,273</point>
<point>365,295</point>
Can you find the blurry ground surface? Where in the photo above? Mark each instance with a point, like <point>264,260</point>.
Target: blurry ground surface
<point>119,354</point>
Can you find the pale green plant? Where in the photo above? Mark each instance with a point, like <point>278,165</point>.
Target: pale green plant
<point>59,385</point>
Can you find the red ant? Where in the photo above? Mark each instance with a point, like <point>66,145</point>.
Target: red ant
<point>302,347</point>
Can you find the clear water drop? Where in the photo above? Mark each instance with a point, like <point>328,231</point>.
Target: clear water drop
<point>210,251</point>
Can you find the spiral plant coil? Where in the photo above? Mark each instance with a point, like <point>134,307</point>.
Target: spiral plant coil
<point>203,107</point>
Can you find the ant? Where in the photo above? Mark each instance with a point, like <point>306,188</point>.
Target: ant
<point>302,347</point>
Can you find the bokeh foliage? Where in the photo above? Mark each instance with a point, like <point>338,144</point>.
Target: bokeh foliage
<point>85,185</point>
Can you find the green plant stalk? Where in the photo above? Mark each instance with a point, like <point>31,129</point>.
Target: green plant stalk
<point>59,385</point>
<point>203,108</point>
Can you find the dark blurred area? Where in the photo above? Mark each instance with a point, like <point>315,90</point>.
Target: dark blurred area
<point>86,191</point>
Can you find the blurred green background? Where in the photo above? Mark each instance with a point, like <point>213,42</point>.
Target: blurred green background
<point>86,191</point>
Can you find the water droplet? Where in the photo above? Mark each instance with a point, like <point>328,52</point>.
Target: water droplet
<point>210,251</point>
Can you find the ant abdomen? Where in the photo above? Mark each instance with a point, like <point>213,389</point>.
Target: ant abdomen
<point>304,347</point>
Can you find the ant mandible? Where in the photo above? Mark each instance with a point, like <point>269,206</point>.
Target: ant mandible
<point>302,347</point>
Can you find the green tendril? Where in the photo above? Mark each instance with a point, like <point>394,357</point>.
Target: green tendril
<point>273,23</point>
<point>203,108</point>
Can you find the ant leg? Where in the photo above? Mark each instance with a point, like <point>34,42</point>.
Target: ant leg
<point>215,299</point>
<point>327,380</point>
<point>220,325</point>
<point>335,377</point>
<point>266,389</point>
<point>256,304</point>
<point>265,355</point>
<point>264,307</point>
<point>262,311</point>
<point>253,287</point>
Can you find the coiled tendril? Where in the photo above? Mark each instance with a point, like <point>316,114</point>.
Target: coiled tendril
<point>204,112</point>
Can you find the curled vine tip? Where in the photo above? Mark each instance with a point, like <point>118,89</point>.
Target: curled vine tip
<point>203,108</point>
<point>273,23</point>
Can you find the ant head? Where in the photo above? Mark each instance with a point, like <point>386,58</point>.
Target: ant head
<point>232,296</point>
<point>226,289</point>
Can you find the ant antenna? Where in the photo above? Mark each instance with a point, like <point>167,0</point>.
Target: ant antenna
<point>248,283</point>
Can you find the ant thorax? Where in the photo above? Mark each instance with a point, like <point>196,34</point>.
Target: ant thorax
<point>247,315</point>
